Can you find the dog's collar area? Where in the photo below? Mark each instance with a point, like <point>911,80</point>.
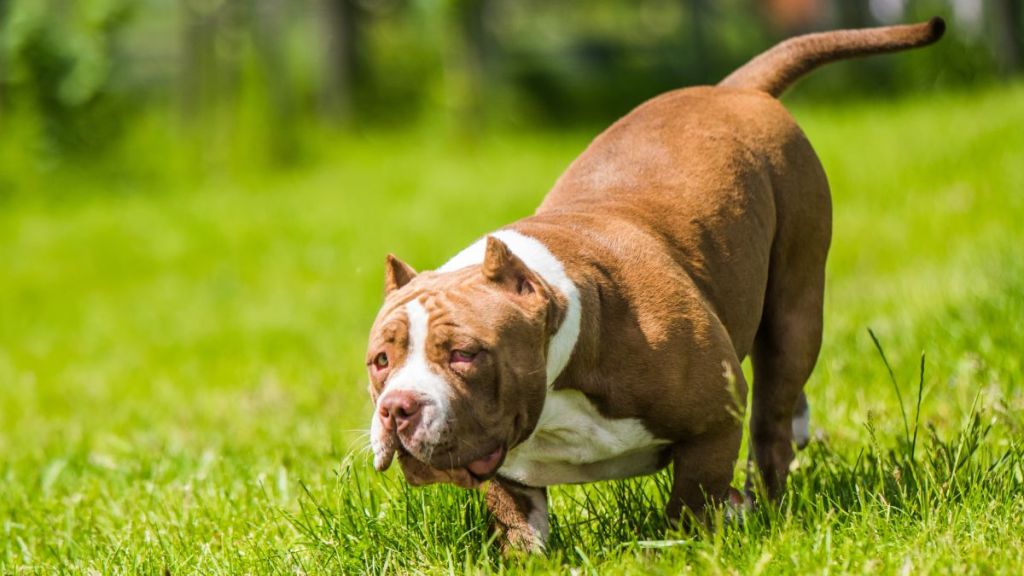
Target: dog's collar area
<point>538,258</point>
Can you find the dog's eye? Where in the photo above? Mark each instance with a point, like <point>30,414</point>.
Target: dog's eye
<point>459,356</point>
<point>380,361</point>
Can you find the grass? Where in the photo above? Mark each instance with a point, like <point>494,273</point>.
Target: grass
<point>182,390</point>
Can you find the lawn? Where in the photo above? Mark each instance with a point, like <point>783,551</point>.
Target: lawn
<point>182,386</point>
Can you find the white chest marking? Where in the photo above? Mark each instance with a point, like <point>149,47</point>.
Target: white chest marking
<point>574,443</point>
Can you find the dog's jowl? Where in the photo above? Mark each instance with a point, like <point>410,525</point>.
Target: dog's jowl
<point>602,337</point>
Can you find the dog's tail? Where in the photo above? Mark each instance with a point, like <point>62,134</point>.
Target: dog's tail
<point>775,70</point>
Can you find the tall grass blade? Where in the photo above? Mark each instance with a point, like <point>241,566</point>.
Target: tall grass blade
<point>895,385</point>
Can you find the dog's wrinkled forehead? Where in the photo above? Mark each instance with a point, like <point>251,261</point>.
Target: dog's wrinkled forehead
<point>475,291</point>
<point>412,368</point>
<point>442,305</point>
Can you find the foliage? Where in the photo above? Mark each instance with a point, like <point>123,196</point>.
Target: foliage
<point>75,73</point>
<point>62,65</point>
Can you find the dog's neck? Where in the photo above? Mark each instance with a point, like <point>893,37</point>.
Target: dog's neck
<point>538,258</point>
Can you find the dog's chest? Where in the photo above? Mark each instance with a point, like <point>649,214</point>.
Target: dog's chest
<point>574,443</point>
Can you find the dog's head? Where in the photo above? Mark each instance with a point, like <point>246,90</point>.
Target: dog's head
<point>458,365</point>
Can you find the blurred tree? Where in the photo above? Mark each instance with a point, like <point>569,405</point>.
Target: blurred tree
<point>198,59</point>
<point>472,67</point>
<point>236,86</point>
<point>3,55</point>
<point>790,17</point>
<point>270,30</point>
<point>852,14</point>
<point>700,18</point>
<point>341,28</point>
<point>249,75</point>
<point>61,62</point>
<point>1009,19</point>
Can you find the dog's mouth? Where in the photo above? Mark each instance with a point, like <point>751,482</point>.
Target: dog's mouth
<point>474,472</point>
<point>484,468</point>
<point>481,469</point>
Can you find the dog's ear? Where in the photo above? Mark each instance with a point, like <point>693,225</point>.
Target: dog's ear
<point>506,269</point>
<point>396,274</point>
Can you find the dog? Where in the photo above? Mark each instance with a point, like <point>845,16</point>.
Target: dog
<point>601,337</point>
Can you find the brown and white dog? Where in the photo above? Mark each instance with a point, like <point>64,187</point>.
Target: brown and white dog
<point>602,337</point>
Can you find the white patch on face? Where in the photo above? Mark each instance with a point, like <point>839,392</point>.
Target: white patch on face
<point>802,427</point>
<point>416,375</point>
<point>540,260</point>
<point>574,443</point>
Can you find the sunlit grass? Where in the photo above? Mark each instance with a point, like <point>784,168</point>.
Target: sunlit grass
<point>181,379</point>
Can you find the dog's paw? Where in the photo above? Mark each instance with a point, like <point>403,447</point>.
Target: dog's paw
<point>736,507</point>
<point>521,541</point>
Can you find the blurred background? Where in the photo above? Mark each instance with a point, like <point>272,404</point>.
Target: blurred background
<point>196,197</point>
<point>201,86</point>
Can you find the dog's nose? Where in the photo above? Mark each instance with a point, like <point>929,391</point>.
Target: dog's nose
<point>400,410</point>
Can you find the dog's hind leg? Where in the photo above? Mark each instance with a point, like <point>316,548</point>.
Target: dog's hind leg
<point>785,351</point>
<point>789,336</point>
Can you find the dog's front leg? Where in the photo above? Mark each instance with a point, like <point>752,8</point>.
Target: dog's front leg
<point>702,471</point>
<point>520,514</point>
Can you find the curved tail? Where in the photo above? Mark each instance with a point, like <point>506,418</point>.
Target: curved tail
<point>775,70</point>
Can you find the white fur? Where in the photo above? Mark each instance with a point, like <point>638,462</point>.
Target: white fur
<point>540,260</point>
<point>417,376</point>
<point>537,520</point>
<point>573,443</point>
<point>802,427</point>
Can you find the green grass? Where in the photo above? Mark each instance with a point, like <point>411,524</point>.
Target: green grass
<point>182,389</point>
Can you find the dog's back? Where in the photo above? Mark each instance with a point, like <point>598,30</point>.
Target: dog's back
<point>737,198</point>
<point>724,172</point>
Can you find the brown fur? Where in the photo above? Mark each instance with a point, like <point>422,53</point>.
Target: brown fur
<point>696,230</point>
<point>511,505</point>
<point>775,70</point>
<point>692,218</point>
<point>500,395</point>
